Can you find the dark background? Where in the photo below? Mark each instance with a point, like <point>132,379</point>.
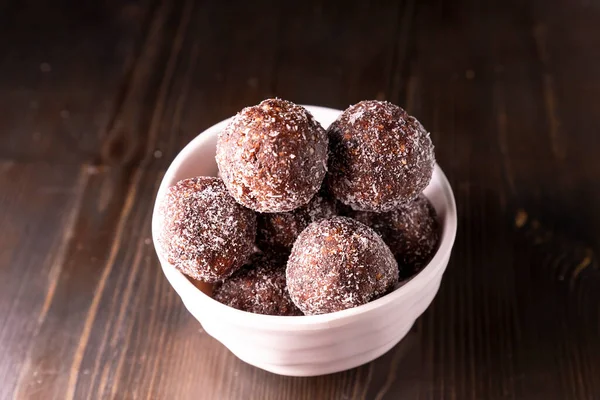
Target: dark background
<point>97,97</point>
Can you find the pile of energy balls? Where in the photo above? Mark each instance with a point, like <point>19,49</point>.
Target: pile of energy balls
<point>303,220</point>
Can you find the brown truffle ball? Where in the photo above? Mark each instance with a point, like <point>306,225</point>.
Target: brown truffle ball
<point>339,263</point>
<point>273,156</point>
<point>205,233</point>
<point>411,232</point>
<point>258,288</point>
<point>380,157</point>
<point>277,232</point>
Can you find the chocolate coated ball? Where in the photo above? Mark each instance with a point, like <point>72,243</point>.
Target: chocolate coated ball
<point>380,157</point>
<point>339,263</point>
<point>273,156</point>
<point>205,233</point>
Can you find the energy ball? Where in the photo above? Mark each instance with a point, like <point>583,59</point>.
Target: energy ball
<point>205,234</point>
<point>258,288</point>
<point>339,263</point>
<point>273,156</point>
<point>379,157</point>
<point>277,232</point>
<point>411,232</point>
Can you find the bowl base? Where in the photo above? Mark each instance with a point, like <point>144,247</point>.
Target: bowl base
<point>306,370</point>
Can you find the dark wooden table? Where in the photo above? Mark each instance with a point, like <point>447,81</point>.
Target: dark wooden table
<point>96,98</point>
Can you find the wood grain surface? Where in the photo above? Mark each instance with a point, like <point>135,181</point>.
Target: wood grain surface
<point>96,98</point>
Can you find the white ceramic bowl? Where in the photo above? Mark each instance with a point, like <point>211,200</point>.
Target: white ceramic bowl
<point>309,345</point>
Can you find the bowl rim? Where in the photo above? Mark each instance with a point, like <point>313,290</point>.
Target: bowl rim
<point>186,289</point>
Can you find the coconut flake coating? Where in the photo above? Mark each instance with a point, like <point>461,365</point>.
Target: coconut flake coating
<point>205,233</point>
<point>273,156</point>
<point>277,232</point>
<point>379,157</point>
<point>259,288</point>
<point>339,263</point>
<point>411,232</point>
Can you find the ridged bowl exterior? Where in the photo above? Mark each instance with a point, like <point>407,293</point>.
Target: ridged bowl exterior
<point>310,345</point>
